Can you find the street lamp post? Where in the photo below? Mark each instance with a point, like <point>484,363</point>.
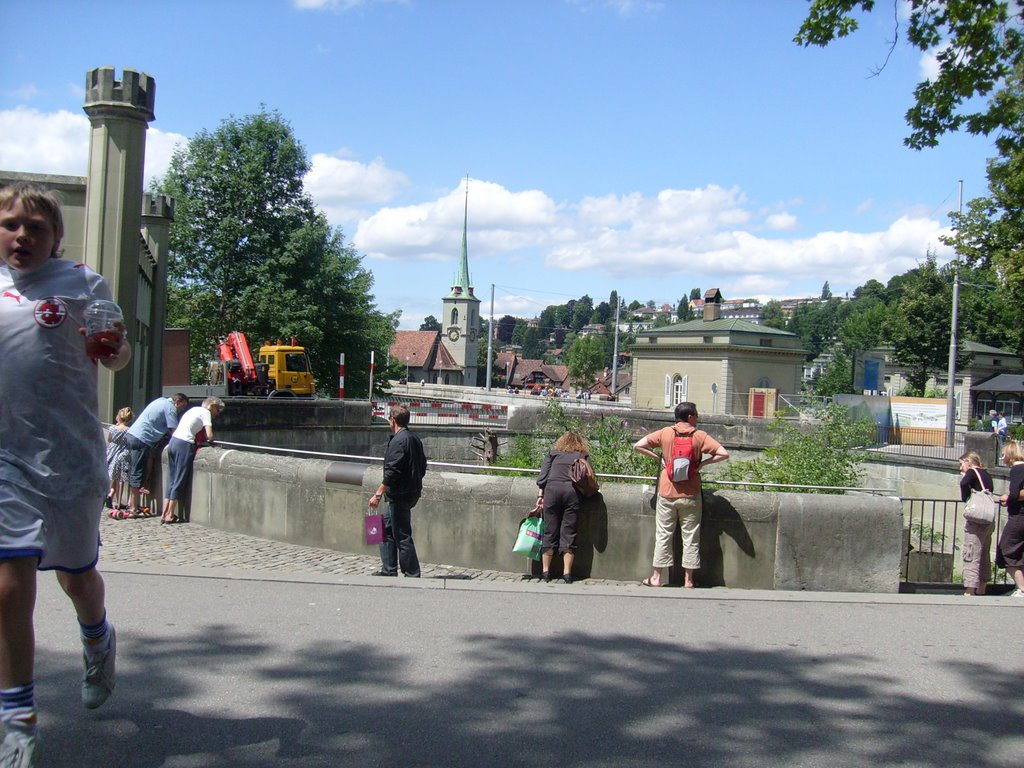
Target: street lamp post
<point>407,370</point>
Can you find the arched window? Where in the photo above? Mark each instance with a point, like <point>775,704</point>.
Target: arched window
<point>455,318</point>
<point>679,387</point>
<point>675,389</point>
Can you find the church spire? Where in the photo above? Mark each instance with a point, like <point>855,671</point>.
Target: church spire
<point>462,288</point>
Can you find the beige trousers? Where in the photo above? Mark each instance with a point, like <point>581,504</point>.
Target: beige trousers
<point>976,553</point>
<point>685,512</point>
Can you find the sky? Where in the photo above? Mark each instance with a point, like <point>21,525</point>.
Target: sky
<point>647,148</point>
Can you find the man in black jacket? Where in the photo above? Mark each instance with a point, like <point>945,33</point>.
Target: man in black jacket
<point>404,467</point>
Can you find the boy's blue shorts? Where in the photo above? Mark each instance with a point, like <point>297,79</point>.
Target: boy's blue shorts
<point>63,533</point>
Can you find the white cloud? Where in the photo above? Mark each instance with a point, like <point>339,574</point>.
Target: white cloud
<point>160,145</point>
<point>864,207</point>
<point>781,221</point>
<point>337,5</point>
<point>58,142</point>
<point>39,142</point>
<point>500,221</point>
<point>345,188</point>
<point>25,92</point>
<point>703,236</point>
<point>697,236</point>
<point>928,63</point>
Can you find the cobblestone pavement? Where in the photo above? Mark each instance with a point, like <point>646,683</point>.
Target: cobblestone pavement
<point>145,542</point>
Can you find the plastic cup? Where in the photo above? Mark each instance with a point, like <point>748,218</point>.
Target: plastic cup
<point>100,317</point>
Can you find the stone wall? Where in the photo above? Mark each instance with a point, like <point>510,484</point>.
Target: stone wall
<point>749,540</point>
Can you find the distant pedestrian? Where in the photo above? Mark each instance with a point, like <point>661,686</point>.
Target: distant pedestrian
<point>405,464</point>
<point>1010,550</point>
<point>194,427</point>
<point>679,501</point>
<point>974,478</point>
<point>999,426</point>
<point>53,476</point>
<point>119,463</point>
<point>146,440</point>
<point>561,503</point>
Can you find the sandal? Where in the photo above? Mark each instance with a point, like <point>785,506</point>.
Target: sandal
<point>119,514</point>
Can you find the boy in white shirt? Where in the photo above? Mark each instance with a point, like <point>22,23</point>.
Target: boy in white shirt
<point>52,464</point>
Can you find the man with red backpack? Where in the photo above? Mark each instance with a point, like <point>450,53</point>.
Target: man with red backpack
<point>682,450</point>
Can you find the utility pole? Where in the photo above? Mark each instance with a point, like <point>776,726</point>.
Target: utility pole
<point>490,339</point>
<point>615,353</point>
<point>951,372</point>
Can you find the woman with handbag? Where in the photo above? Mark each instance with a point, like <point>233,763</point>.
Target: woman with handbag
<point>975,479</point>
<point>561,503</point>
<point>1010,550</point>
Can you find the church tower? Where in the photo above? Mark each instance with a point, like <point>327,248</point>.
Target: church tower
<point>460,314</point>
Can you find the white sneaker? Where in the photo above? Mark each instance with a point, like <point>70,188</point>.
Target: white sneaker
<point>98,683</point>
<point>1017,593</point>
<point>18,751</point>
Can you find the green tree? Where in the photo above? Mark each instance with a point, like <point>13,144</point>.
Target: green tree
<point>979,88</point>
<point>838,376</point>
<point>430,323</point>
<point>683,311</point>
<point>990,233</point>
<point>816,323</point>
<point>919,327</point>
<point>829,455</point>
<point>872,289</point>
<point>506,324</point>
<point>695,294</point>
<point>534,343</point>
<point>861,330</point>
<point>581,312</point>
<point>249,252</point>
<point>585,358</point>
<point>826,292</point>
<point>980,44</point>
<point>771,315</point>
<point>610,440</point>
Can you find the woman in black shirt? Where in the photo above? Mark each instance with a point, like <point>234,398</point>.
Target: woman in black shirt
<point>977,536</point>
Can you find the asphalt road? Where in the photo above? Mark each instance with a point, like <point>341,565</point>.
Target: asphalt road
<point>224,664</point>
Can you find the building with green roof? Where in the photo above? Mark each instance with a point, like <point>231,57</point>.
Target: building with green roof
<point>723,365</point>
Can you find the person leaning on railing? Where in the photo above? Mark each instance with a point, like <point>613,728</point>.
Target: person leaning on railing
<point>974,478</point>
<point>1010,550</point>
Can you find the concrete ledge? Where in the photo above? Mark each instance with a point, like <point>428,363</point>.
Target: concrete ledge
<point>748,540</point>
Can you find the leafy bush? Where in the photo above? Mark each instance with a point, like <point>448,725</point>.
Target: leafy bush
<point>828,456</point>
<point>609,437</point>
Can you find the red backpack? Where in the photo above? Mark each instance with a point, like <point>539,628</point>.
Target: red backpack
<point>681,464</point>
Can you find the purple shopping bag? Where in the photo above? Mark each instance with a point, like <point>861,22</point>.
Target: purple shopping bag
<point>374,527</point>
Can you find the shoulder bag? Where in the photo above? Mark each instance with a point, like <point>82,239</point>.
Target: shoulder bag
<point>583,478</point>
<point>981,507</point>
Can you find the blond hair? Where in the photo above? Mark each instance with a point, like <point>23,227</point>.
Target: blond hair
<point>125,416</point>
<point>972,459</point>
<point>1012,452</point>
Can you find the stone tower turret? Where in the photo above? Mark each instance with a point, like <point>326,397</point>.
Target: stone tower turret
<point>119,112</point>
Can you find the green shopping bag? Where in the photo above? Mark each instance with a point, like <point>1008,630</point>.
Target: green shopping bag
<point>528,543</point>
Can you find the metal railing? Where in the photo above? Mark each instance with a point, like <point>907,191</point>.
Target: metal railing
<point>440,413</point>
<point>915,441</point>
<point>934,530</point>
